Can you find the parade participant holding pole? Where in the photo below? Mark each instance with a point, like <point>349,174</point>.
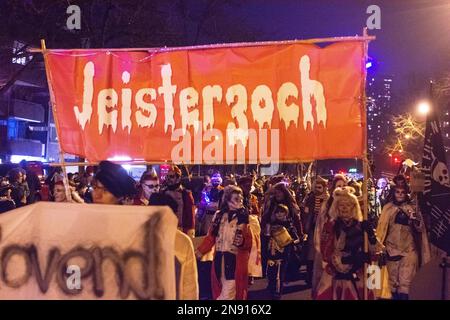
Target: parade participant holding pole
<point>402,230</point>
<point>231,235</point>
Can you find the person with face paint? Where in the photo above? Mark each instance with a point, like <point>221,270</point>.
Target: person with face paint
<point>283,235</point>
<point>339,181</point>
<point>312,206</point>
<point>398,181</point>
<point>231,236</point>
<point>281,194</point>
<point>402,230</point>
<point>209,203</point>
<point>150,187</point>
<point>185,201</point>
<point>342,248</point>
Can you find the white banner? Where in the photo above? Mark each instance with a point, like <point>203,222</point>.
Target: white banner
<point>87,251</point>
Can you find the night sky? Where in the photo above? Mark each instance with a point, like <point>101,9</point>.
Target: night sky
<point>414,35</point>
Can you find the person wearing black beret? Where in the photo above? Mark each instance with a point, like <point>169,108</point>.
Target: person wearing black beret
<point>112,184</point>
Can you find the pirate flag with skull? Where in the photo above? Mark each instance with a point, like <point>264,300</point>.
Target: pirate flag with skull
<point>436,195</point>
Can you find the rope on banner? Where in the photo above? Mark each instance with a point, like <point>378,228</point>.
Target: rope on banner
<point>365,39</point>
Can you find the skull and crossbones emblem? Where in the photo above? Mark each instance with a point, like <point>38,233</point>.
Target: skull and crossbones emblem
<point>440,172</point>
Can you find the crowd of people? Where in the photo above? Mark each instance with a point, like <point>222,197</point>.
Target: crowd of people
<point>248,227</point>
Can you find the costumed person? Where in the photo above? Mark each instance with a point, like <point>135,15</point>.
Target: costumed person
<point>251,204</point>
<point>231,235</point>
<point>186,277</point>
<point>18,192</point>
<point>282,238</point>
<point>209,204</point>
<point>311,209</point>
<point>342,248</point>
<point>402,230</point>
<point>83,191</point>
<point>184,199</point>
<point>144,189</point>
<point>59,193</point>
<point>6,202</point>
<point>151,187</point>
<point>33,182</point>
<point>112,184</point>
<point>302,191</point>
<point>398,181</point>
<point>281,194</point>
<point>339,181</point>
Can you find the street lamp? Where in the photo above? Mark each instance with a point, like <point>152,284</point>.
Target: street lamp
<point>423,107</point>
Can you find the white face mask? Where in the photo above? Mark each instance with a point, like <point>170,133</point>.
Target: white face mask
<point>150,187</point>
<point>400,195</point>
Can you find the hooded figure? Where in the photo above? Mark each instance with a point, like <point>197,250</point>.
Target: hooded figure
<point>402,230</point>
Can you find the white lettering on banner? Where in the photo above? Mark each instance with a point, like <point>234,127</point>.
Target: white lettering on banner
<point>210,93</point>
<point>143,120</point>
<point>262,103</point>
<point>168,91</point>
<point>107,99</point>
<point>88,94</point>
<point>261,115</point>
<point>238,93</point>
<point>311,89</point>
<point>262,106</point>
<point>126,103</point>
<point>189,99</point>
<point>287,112</point>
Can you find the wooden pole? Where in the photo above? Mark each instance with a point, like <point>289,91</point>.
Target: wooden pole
<point>216,46</point>
<point>55,118</point>
<point>365,158</point>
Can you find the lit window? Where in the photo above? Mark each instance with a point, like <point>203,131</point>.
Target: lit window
<point>22,58</point>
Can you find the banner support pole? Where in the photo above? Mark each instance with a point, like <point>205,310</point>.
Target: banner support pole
<point>55,118</point>
<point>365,158</point>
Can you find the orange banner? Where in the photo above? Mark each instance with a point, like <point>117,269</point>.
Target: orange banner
<point>270,103</point>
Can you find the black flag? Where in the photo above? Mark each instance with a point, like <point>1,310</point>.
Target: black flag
<point>436,196</point>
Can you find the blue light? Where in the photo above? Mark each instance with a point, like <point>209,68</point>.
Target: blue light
<point>205,197</point>
<point>368,64</point>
